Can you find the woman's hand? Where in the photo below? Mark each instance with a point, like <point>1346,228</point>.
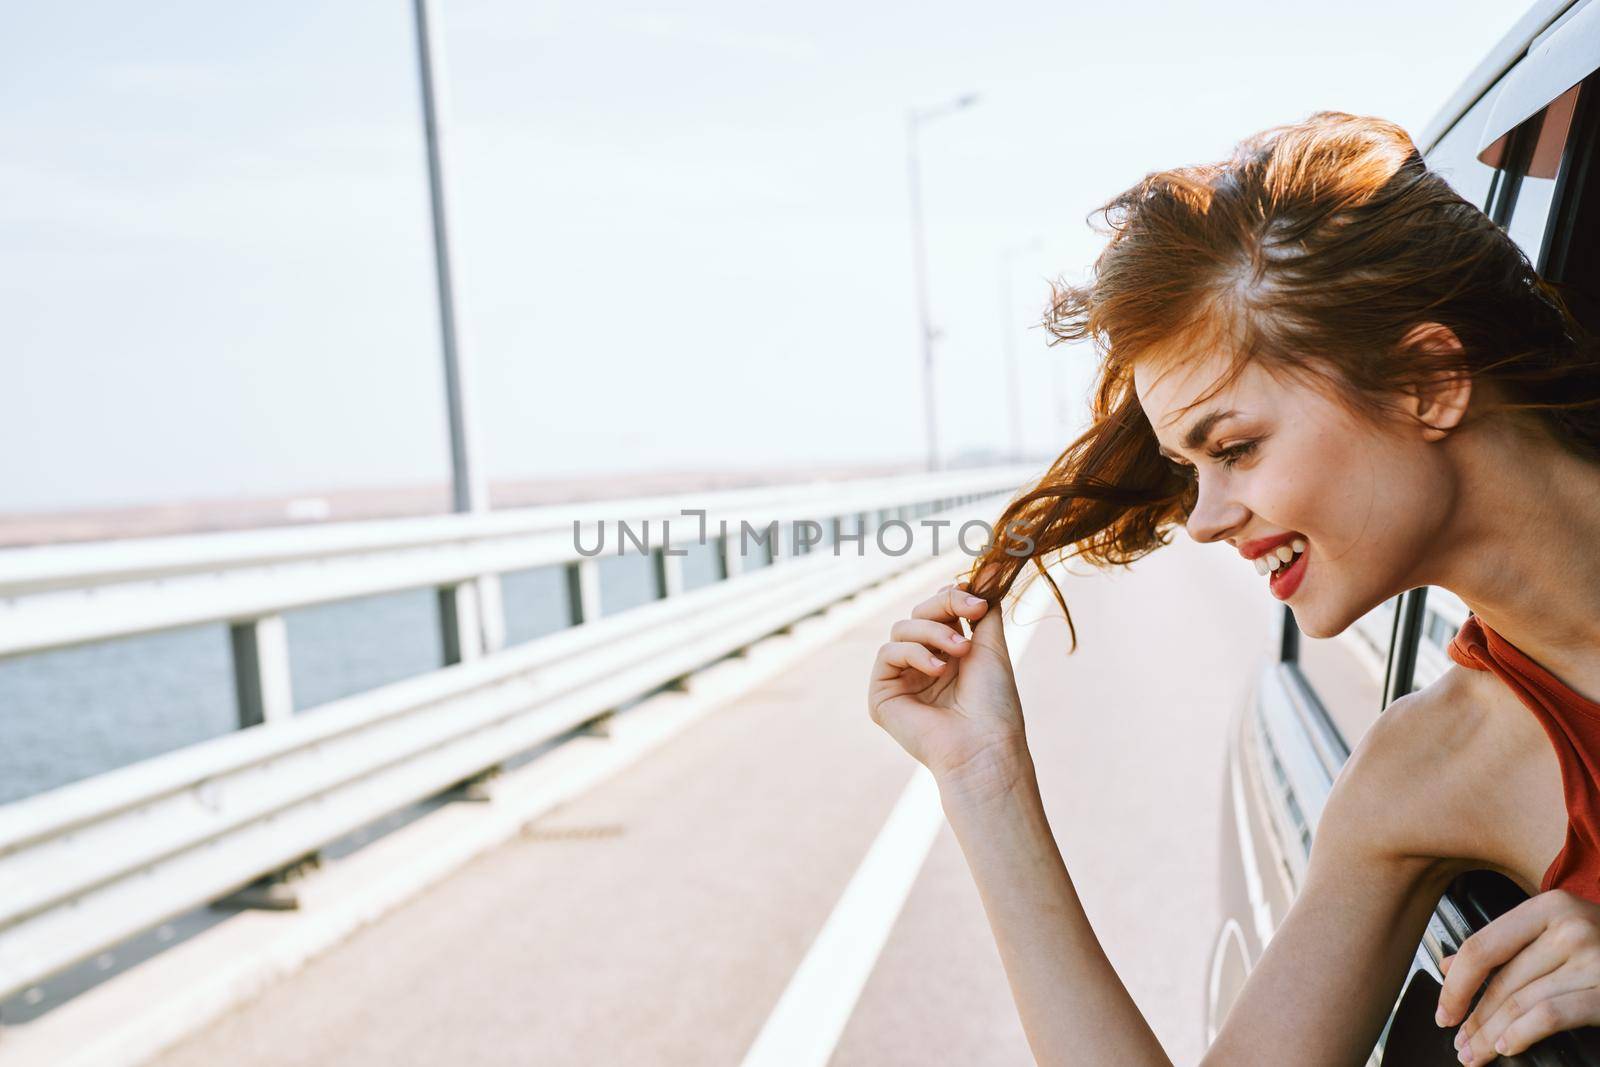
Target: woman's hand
<point>958,715</point>
<point>1547,950</point>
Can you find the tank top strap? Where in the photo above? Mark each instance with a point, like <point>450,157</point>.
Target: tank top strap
<point>1572,723</point>
<point>1477,646</point>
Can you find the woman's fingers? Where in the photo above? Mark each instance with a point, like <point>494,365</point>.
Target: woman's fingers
<point>923,644</point>
<point>949,604</point>
<point>1485,1039</point>
<point>1532,963</point>
<point>1487,949</point>
<point>932,634</point>
<point>1564,1012</point>
<point>897,657</point>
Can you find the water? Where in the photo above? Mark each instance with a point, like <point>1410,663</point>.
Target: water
<point>76,712</point>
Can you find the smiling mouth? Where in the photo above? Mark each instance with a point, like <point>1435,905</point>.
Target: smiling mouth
<point>1286,577</point>
<point>1281,558</point>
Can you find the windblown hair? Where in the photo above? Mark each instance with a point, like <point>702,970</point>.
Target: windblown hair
<point>1314,251</point>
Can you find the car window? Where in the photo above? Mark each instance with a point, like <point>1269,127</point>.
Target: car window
<point>1347,671</point>
<point>1572,251</point>
<point>1455,157</point>
<point>1535,164</point>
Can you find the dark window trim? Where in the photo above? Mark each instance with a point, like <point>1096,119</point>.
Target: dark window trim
<point>1400,674</point>
<point>1575,176</point>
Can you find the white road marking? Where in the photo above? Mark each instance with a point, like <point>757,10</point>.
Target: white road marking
<point>805,1025</point>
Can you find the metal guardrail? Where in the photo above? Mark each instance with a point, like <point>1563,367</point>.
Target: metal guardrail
<point>89,864</point>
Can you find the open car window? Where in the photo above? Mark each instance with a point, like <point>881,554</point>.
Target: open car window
<point>1533,167</point>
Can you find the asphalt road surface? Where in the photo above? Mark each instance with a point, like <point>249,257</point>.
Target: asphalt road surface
<point>658,918</point>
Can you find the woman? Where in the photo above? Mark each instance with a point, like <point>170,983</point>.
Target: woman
<point>1386,391</point>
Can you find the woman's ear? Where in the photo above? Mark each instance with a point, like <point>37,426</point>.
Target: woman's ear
<point>1441,403</point>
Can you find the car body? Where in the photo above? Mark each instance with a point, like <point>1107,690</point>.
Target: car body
<point>1518,138</point>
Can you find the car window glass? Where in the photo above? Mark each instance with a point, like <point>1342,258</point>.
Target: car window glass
<point>1455,157</point>
<point>1538,162</point>
<point>1531,213</point>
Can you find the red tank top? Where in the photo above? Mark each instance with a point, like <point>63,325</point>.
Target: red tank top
<point>1572,723</point>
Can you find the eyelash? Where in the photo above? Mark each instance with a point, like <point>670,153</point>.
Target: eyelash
<point>1228,457</point>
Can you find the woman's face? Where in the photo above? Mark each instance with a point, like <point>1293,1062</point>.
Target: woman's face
<point>1368,502</point>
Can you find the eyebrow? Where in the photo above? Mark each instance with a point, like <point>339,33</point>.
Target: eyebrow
<point>1200,431</point>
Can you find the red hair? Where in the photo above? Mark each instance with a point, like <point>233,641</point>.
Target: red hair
<point>1313,251</point>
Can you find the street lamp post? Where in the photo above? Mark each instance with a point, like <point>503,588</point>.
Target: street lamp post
<point>914,119</point>
<point>470,612</point>
<point>1009,343</point>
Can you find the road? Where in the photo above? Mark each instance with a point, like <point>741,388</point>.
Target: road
<point>659,917</point>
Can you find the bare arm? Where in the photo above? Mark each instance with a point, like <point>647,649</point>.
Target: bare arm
<point>1318,996</point>
<point>1326,981</point>
<point>1074,1008</point>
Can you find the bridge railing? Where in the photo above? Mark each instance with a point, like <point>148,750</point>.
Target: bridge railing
<point>89,864</point>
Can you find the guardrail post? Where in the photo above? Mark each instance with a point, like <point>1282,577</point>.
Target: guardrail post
<point>491,612</point>
<point>668,570</point>
<point>583,590</point>
<point>732,561</point>
<point>458,622</point>
<point>261,670</point>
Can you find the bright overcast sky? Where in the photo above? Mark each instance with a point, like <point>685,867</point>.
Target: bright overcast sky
<point>683,238</point>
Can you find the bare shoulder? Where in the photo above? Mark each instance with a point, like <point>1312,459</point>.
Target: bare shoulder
<point>1415,785</point>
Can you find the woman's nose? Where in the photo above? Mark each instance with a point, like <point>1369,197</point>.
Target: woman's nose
<point>1213,517</point>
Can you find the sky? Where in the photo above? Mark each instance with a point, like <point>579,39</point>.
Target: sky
<point>682,237</point>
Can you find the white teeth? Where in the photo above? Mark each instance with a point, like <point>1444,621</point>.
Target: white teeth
<point>1279,557</point>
